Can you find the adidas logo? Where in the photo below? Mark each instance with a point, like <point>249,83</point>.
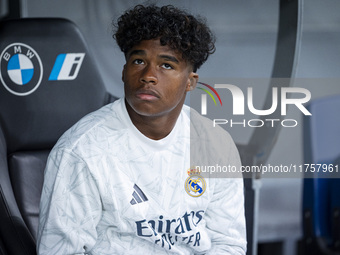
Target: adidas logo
<point>138,196</point>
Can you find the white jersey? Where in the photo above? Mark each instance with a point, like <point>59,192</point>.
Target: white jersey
<point>108,189</point>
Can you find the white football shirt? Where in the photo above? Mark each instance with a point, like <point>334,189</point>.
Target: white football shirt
<point>109,189</point>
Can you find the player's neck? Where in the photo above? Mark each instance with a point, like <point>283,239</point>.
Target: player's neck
<point>154,127</point>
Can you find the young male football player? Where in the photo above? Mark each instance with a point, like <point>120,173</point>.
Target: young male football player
<point>120,180</point>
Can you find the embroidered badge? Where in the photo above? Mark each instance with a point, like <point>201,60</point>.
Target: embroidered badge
<point>195,184</point>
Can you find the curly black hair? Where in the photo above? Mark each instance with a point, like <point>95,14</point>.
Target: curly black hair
<point>175,28</point>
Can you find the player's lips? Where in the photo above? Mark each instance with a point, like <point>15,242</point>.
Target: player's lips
<point>147,95</point>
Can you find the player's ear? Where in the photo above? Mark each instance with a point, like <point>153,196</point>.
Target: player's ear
<point>123,74</point>
<point>192,81</point>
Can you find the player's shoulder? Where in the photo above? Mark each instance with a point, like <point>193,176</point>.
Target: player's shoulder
<point>105,118</point>
<point>212,146</point>
<point>204,128</point>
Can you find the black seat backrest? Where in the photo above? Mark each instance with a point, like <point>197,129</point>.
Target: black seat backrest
<point>48,82</point>
<point>2,248</point>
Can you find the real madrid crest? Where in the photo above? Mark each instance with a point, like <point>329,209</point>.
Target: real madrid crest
<point>21,69</point>
<point>195,184</point>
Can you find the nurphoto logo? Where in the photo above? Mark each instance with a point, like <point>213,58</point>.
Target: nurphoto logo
<point>281,98</point>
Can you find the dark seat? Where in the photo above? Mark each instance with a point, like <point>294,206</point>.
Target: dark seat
<point>321,186</point>
<point>48,82</point>
<point>2,249</point>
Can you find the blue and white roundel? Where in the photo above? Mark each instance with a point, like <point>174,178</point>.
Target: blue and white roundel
<point>20,69</point>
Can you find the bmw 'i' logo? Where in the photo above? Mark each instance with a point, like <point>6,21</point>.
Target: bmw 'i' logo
<point>21,69</point>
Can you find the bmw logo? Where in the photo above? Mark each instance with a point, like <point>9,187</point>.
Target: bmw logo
<point>21,69</point>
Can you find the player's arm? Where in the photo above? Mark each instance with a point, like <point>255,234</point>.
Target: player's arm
<point>225,219</point>
<point>70,206</point>
<point>225,216</point>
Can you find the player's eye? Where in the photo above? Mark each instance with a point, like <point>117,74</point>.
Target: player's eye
<point>166,66</point>
<point>138,61</point>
